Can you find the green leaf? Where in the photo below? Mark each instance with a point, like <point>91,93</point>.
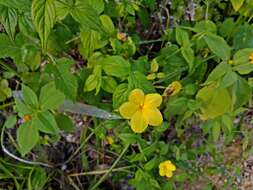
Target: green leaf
<point>29,96</point>
<point>138,80</point>
<point>109,84</point>
<point>91,82</point>
<point>44,17</point>
<point>27,137</point>
<point>107,24</point>
<point>50,98</point>
<point>91,40</point>
<point>218,46</point>
<point>120,95</point>
<point>24,5</point>
<point>10,122</point>
<point>228,122</point>
<point>9,19</point>
<point>116,66</point>
<point>150,164</point>
<point>182,37</point>
<point>65,81</point>
<point>65,123</point>
<point>97,5</point>
<point>215,102</point>
<point>12,49</point>
<point>63,8</point>
<point>219,71</point>
<point>22,108</point>
<point>86,15</point>
<point>229,79</point>
<point>244,69</point>
<point>216,130</point>
<point>46,123</point>
<point>242,56</point>
<point>5,91</point>
<point>237,4</point>
<point>188,54</point>
<point>241,92</point>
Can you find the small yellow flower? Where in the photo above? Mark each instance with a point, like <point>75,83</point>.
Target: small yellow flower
<point>142,110</point>
<point>154,66</point>
<point>26,118</point>
<point>251,58</point>
<point>122,36</point>
<point>173,89</point>
<point>151,76</point>
<point>230,62</point>
<point>166,168</point>
<point>109,140</point>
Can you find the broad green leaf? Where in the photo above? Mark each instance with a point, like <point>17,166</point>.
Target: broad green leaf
<point>9,19</point>
<point>218,46</point>
<point>63,8</point>
<point>65,81</point>
<point>227,122</point>
<point>242,38</point>
<point>91,82</point>
<point>107,24</point>
<point>23,5</point>
<point>138,80</point>
<point>218,72</point>
<point>10,122</point>
<point>215,102</point>
<point>27,137</point>
<point>205,26</point>
<point>241,92</point>
<point>26,26</point>
<point>244,69</point>
<point>188,54</point>
<point>50,98</point>
<point>97,5</point>
<point>91,40</point>
<point>12,49</point>
<point>22,108</point>
<point>86,15</point>
<point>44,17</point>
<point>46,123</point>
<point>109,84</point>
<point>237,4</point>
<point>182,37</point>
<point>120,95</point>
<point>242,56</point>
<point>116,66</point>
<point>65,123</point>
<point>30,98</point>
<point>229,79</point>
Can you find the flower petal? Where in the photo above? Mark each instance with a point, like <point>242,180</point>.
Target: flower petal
<point>162,171</point>
<point>138,122</point>
<point>169,174</point>
<point>136,97</point>
<point>171,167</point>
<point>153,116</point>
<point>128,109</point>
<point>153,100</point>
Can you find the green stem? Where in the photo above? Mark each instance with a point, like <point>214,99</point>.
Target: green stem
<point>6,105</point>
<point>111,168</point>
<point>98,172</point>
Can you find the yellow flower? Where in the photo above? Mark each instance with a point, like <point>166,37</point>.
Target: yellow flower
<point>109,140</point>
<point>173,89</point>
<point>166,168</point>
<point>122,36</point>
<point>26,118</point>
<point>251,58</point>
<point>142,110</point>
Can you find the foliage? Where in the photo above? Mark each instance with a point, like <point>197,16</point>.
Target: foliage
<point>69,69</point>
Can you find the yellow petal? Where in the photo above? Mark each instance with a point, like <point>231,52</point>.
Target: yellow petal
<point>153,116</point>
<point>128,109</point>
<point>153,100</point>
<point>162,171</point>
<point>169,174</point>
<point>136,97</point>
<point>138,122</point>
<point>171,167</point>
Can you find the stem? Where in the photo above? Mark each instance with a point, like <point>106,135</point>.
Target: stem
<point>6,105</point>
<point>111,168</point>
<point>98,172</point>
